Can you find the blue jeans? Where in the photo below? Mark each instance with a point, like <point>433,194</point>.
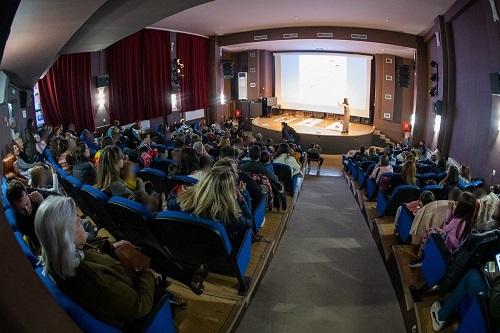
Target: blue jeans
<point>472,283</point>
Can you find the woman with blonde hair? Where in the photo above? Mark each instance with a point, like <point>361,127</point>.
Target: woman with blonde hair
<point>108,172</point>
<point>217,197</point>
<point>408,176</point>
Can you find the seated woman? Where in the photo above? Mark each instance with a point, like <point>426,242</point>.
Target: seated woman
<point>9,169</point>
<point>408,176</point>
<point>206,163</point>
<point>465,174</point>
<point>471,284</point>
<point>381,168</point>
<point>452,177</point>
<point>488,202</point>
<point>456,227</point>
<point>61,149</point>
<point>83,169</point>
<point>431,215</point>
<point>95,278</point>
<point>217,197</point>
<point>425,198</point>
<point>189,162</point>
<point>284,156</point>
<point>21,164</point>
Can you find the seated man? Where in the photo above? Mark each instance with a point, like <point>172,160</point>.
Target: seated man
<point>25,205</point>
<point>254,166</point>
<point>314,154</point>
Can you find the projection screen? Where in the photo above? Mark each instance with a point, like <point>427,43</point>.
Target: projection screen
<point>320,81</point>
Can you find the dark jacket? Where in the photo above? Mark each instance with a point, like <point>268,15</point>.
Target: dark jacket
<point>473,253</point>
<point>85,172</point>
<point>256,167</point>
<point>114,293</point>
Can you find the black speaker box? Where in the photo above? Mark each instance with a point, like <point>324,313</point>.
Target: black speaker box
<point>495,83</point>
<point>438,108</point>
<point>404,76</point>
<point>101,81</point>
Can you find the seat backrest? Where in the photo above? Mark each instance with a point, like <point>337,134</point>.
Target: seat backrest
<point>83,319</point>
<point>10,216</point>
<point>402,194</point>
<point>26,249</point>
<point>435,258</point>
<point>182,180</point>
<point>284,174</point>
<point>370,169</point>
<point>438,190</point>
<point>93,206</point>
<point>476,317</point>
<point>5,201</point>
<point>158,179</point>
<point>132,218</point>
<point>162,165</point>
<point>70,184</point>
<point>366,164</point>
<point>193,240</point>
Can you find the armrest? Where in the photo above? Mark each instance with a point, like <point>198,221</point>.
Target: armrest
<point>244,253</point>
<point>160,318</point>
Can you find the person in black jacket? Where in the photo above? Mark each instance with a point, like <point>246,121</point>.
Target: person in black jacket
<point>254,166</point>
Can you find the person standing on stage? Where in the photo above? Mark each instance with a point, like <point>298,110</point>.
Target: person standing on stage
<point>347,116</point>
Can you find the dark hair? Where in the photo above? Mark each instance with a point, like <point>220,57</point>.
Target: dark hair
<point>427,197</point>
<point>189,161</point>
<point>227,151</point>
<point>144,135</point>
<point>205,161</point>
<point>283,148</point>
<point>161,149</point>
<point>58,145</point>
<point>79,154</point>
<point>362,149</point>
<point>496,189</point>
<point>15,190</point>
<point>454,193</point>
<point>254,152</point>
<point>264,157</point>
<point>384,160</point>
<point>452,176</point>
<point>106,141</point>
<point>464,210</point>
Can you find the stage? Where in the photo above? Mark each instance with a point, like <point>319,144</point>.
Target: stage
<point>325,132</point>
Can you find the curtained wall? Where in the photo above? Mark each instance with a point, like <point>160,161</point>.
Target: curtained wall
<point>193,53</point>
<point>65,92</point>
<point>139,74</point>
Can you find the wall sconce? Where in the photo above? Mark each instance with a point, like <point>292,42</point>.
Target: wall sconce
<point>101,98</point>
<point>173,100</point>
<point>222,98</point>
<point>412,120</point>
<point>437,124</point>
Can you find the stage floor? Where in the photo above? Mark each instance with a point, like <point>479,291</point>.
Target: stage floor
<point>312,126</point>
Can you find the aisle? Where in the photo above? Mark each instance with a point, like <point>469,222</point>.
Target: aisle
<point>327,274</point>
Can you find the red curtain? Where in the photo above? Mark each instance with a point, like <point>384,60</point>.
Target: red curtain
<point>65,92</point>
<point>139,76</point>
<point>193,54</point>
<point>156,72</point>
<point>124,64</point>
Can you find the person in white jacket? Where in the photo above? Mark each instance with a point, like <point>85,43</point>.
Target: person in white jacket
<point>283,155</point>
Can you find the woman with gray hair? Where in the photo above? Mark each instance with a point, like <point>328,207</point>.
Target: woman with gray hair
<point>90,276</point>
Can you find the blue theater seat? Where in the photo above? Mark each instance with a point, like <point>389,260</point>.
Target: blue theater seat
<point>10,216</point>
<point>93,201</point>
<point>132,218</point>
<point>404,223</point>
<point>182,180</point>
<point>438,191</point>
<point>26,249</point>
<point>371,189</point>
<point>162,165</point>
<point>194,240</point>
<point>422,179</point>
<point>159,321</point>
<point>158,179</point>
<point>49,157</point>
<point>475,316</point>
<point>366,170</point>
<point>5,201</point>
<point>259,214</point>
<point>387,205</point>
<point>284,174</point>
<point>71,185</point>
<point>355,171</point>
<point>440,176</point>
<point>434,261</point>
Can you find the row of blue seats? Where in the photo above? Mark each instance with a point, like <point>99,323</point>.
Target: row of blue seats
<point>159,321</point>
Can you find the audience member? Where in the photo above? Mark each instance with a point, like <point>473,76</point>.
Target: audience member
<point>83,169</point>
<point>284,156</point>
<point>254,165</point>
<point>381,168</point>
<point>31,137</point>
<point>40,179</point>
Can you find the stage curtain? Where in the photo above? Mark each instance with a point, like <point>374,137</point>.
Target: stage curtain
<point>156,73</point>
<point>124,64</point>
<point>65,92</point>
<point>193,53</point>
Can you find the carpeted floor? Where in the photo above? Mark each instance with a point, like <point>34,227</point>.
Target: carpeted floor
<point>327,274</point>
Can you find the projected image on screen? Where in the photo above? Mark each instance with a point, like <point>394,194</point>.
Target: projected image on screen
<point>320,81</point>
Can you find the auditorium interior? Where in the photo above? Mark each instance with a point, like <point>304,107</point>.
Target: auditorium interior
<point>212,166</point>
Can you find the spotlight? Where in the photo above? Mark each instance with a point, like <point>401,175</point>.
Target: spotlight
<point>437,124</point>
